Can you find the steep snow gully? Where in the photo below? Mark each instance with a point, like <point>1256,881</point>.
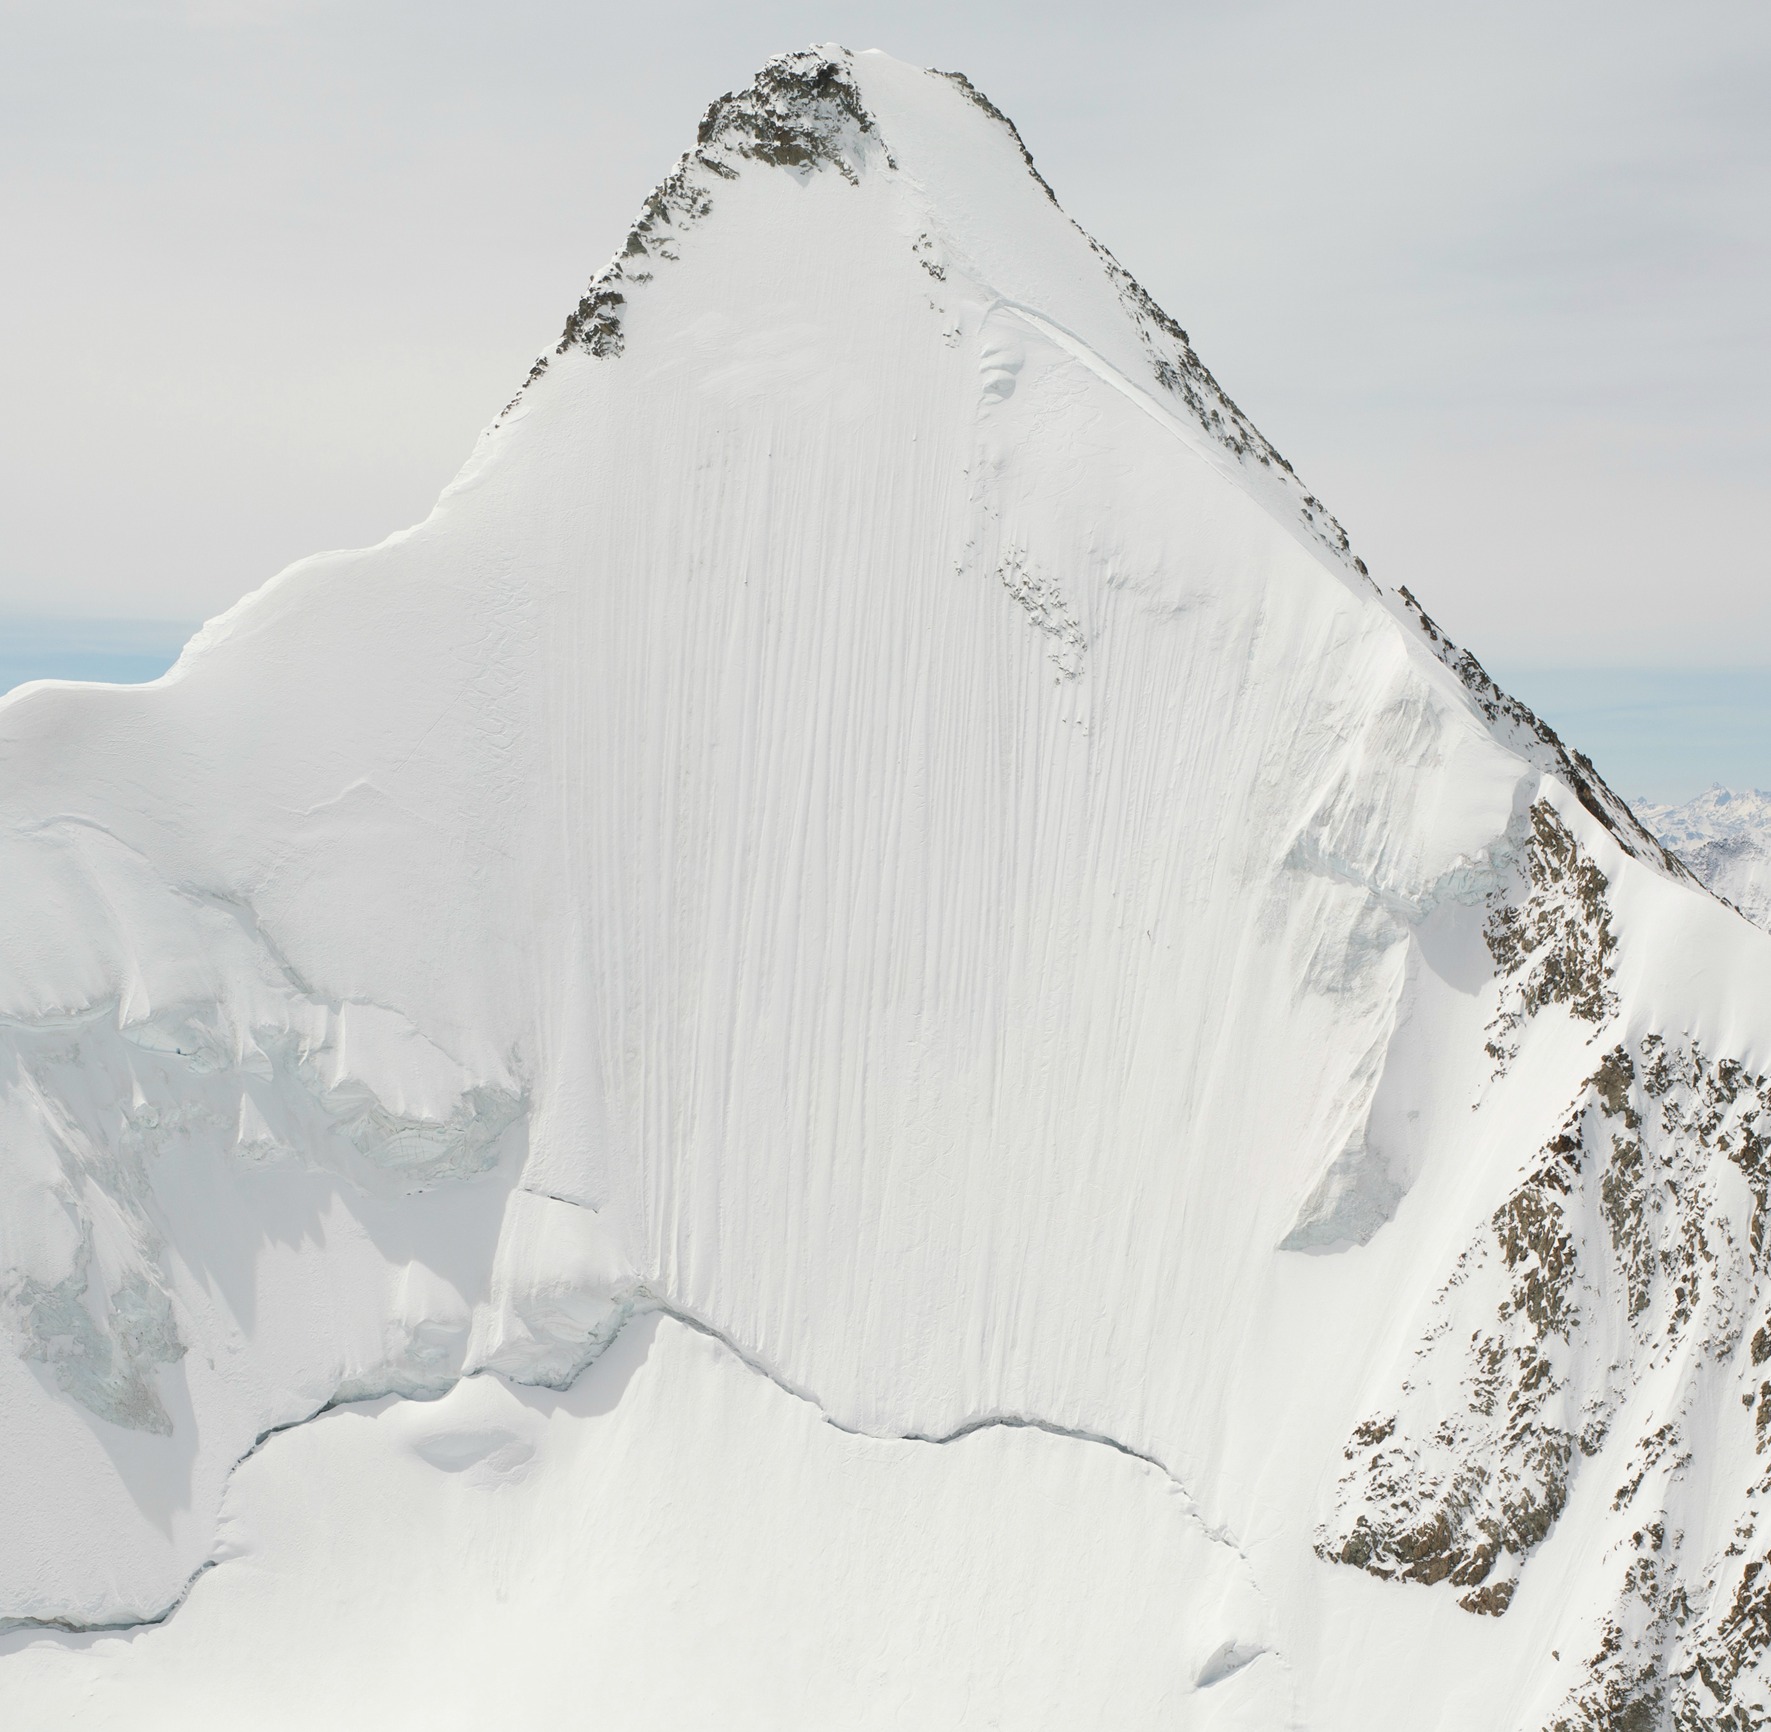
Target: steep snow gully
<point>868,1041</point>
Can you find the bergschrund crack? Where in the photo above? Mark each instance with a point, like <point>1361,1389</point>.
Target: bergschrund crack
<point>644,1303</point>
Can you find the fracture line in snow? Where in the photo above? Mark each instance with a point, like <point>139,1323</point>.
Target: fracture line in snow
<point>985,1422</point>
<point>121,1626</point>
<point>646,1304</point>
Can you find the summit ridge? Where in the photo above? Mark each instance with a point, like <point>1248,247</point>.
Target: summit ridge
<point>805,112</point>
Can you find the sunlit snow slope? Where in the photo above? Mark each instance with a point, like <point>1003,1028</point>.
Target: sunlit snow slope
<point>1125,1140</point>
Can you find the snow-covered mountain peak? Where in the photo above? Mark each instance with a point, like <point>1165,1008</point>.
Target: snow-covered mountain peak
<point>825,110</point>
<point>967,184</point>
<point>802,112</point>
<point>876,903</point>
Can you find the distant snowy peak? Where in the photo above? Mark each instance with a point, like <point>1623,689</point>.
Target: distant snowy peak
<point>1712,816</point>
<point>1724,835</point>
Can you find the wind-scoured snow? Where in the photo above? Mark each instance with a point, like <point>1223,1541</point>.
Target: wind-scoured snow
<point>876,872</point>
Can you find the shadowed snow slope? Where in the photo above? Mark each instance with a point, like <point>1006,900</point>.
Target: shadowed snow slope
<point>878,817</point>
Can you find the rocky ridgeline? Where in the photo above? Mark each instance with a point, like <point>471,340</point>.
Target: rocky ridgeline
<point>1613,1312</point>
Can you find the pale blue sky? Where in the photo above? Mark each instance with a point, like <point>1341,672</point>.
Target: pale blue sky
<point>1493,277</point>
<point>1658,732</point>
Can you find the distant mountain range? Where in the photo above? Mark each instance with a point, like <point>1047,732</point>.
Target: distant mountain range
<point>1724,835</point>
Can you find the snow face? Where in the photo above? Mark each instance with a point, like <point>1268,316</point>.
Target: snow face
<point>878,863</point>
<point>1724,836</point>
